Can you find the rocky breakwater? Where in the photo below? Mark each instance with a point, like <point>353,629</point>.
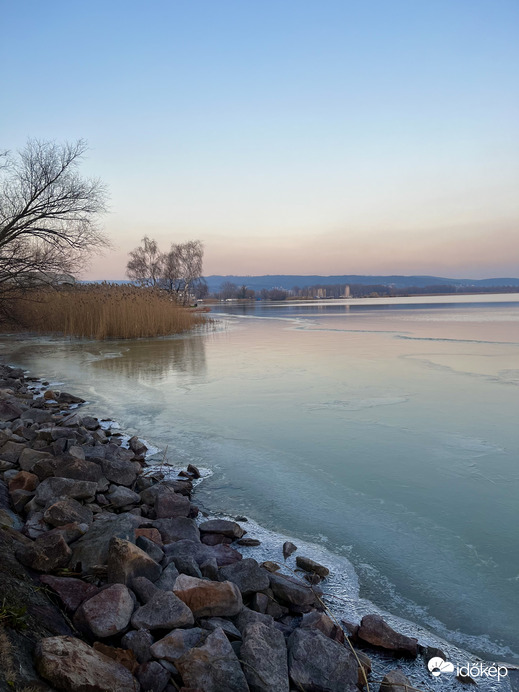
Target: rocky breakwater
<point>111,580</point>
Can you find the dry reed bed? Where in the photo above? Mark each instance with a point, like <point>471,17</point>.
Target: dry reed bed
<point>103,311</point>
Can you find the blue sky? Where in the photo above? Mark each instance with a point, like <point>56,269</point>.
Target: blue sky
<point>290,137</point>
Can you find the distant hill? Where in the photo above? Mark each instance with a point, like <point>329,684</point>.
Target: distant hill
<point>288,281</point>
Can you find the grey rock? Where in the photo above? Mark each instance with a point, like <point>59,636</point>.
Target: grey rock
<point>9,410</point>
<point>172,530</point>
<point>122,497</point>
<point>167,579</point>
<point>163,611</point>
<point>152,676</point>
<point>291,591</point>
<point>396,681</point>
<point>227,626</point>
<point>92,548</point>
<point>79,469</point>
<point>144,588</point>
<point>52,489</point>
<point>288,549</point>
<point>169,505</point>
<point>318,664</point>
<point>47,553</point>
<point>11,451</point>
<point>177,643</point>
<point>311,566</point>
<point>375,631</point>
<point>247,575</point>
<point>138,641</point>
<point>264,654</point>
<point>29,457</point>
<point>150,547</point>
<point>247,617</point>
<point>187,565</point>
<point>209,569</point>
<point>212,667</point>
<point>119,471</point>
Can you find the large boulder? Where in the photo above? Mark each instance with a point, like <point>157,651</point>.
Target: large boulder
<point>69,664</point>
<point>92,549</point>
<point>29,457</point>
<point>318,664</point>
<point>290,590</point>
<point>227,528</point>
<point>208,598</point>
<point>177,643</point>
<point>152,676</point>
<point>10,410</point>
<point>119,471</point>
<point>67,511</point>
<point>185,549</point>
<point>79,469</point>
<point>139,641</point>
<point>169,504</point>
<point>375,631</point>
<point>108,612</point>
<point>163,611</point>
<point>52,489</point>
<point>212,667</point>
<point>176,529</point>
<point>127,561</point>
<point>248,576</point>
<point>46,554</point>
<point>264,654</point>
<point>122,497</point>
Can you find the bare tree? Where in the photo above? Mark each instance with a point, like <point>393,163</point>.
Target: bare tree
<point>49,213</point>
<point>186,261</point>
<point>146,264</point>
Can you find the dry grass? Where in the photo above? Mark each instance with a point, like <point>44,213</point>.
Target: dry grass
<point>102,311</point>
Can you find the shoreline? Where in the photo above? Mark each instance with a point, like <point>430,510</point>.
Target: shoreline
<point>417,668</point>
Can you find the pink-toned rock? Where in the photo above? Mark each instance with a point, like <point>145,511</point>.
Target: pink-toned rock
<point>108,612</point>
<point>72,592</point>
<point>209,598</point>
<point>70,664</point>
<point>24,480</point>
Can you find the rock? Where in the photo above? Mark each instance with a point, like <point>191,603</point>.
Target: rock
<point>72,592</point>
<point>260,602</point>
<point>211,624</point>
<point>137,447</point>
<point>37,415</point>
<point>247,575</point>
<point>47,553</point>
<point>10,411</point>
<point>79,469</point>
<point>310,566</point>
<point>52,489</point>
<point>139,641</point>
<point>150,534</point>
<point>288,549</point>
<point>223,554</point>
<point>126,561</point>
<point>152,676</point>
<point>187,565</point>
<point>70,664</point>
<point>19,499</point>
<point>92,549</point>
<point>90,423</point>
<point>167,579</point>
<point>122,497</point>
<point>66,398</point>
<point>247,617</point>
<point>324,623</point>
<point>177,643</point>
<point>375,631</point>
<point>108,612</point>
<point>144,588</point>
<point>45,468</point>
<point>163,611</point>
<point>290,591</point>
<point>169,505</point>
<point>193,470</point>
<point>249,542</point>
<point>215,539</point>
<point>212,667</point>
<point>223,526</point>
<point>67,511</point>
<point>270,566</point>
<point>209,599</point>
<point>364,668</point>
<point>119,471</point>
<point>151,548</point>
<point>35,526</point>
<point>264,654</point>
<point>11,451</point>
<point>123,656</point>
<point>209,569</point>
<point>319,664</point>
<point>396,681</point>
<point>24,480</point>
<point>76,452</point>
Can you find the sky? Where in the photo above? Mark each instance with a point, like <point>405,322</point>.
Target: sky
<point>290,137</point>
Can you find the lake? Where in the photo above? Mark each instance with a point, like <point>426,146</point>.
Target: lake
<point>381,433</point>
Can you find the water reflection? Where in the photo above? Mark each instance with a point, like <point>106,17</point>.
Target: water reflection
<point>153,360</point>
